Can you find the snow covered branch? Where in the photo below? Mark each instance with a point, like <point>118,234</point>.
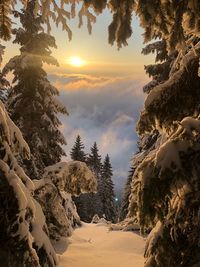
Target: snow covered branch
<point>54,191</point>
<point>165,190</point>
<point>25,225</point>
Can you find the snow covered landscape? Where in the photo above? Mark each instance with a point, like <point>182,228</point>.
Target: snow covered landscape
<point>117,185</point>
<point>93,245</point>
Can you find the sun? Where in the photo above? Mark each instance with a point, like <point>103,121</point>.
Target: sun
<point>76,61</point>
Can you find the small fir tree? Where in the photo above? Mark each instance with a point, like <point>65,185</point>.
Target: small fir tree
<point>94,160</point>
<point>93,202</point>
<point>107,194</point>
<point>77,152</point>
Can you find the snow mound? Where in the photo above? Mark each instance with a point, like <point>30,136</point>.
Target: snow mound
<point>126,225</point>
<point>98,220</point>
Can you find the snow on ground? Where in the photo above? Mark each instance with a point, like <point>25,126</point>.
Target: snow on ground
<point>94,245</point>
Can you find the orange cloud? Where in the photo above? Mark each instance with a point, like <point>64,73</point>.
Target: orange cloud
<point>82,81</point>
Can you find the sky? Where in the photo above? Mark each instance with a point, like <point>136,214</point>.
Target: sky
<point>104,97</point>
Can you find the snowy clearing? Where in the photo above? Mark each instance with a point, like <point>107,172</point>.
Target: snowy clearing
<point>93,245</point>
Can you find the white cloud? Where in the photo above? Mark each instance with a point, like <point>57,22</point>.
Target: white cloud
<point>105,110</point>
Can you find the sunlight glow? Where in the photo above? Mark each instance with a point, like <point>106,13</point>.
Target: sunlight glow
<point>76,61</point>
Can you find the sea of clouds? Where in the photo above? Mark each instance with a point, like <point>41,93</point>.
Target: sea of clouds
<point>104,109</point>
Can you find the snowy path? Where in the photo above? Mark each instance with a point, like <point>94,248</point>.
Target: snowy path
<point>94,246</point>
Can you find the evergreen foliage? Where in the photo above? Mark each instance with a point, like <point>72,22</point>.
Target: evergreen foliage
<point>165,182</point>
<point>4,84</point>
<point>159,71</point>
<point>24,232</point>
<point>165,191</point>
<point>32,101</point>
<point>126,195</point>
<point>95,165</point>
<point>88,204</point>
<point>18,209</point>
<point>82,203</point>
<point>54,191</point>
<point>24,235</point>
<point>5,20</point>
<point>77,152</point>
<point>94,161</point>
<point>107,194</point>
<point>102,203</point>
<point>170,20</point>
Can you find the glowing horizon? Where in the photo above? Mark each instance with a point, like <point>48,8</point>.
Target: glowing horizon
<point>91,53</point>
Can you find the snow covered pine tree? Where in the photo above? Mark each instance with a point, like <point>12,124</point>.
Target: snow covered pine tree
<point>24,235</point>
<point>54,191</point>
<point>32,101</point>
<point>165,194</point>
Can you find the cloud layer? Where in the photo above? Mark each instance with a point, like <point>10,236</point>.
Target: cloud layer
<point>105,110</point>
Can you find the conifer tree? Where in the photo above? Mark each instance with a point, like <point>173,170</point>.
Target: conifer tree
<point>32,102</point>
<point>94,203</point>
<point>145,145</point>
<point>89,204</point>
<point>94,160</point>
<point>77,152</point>
<point>126,195</point>
<point>21,216</point>
<point>24,235</point>
<point>165,183</point>
<point>107,195</point>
